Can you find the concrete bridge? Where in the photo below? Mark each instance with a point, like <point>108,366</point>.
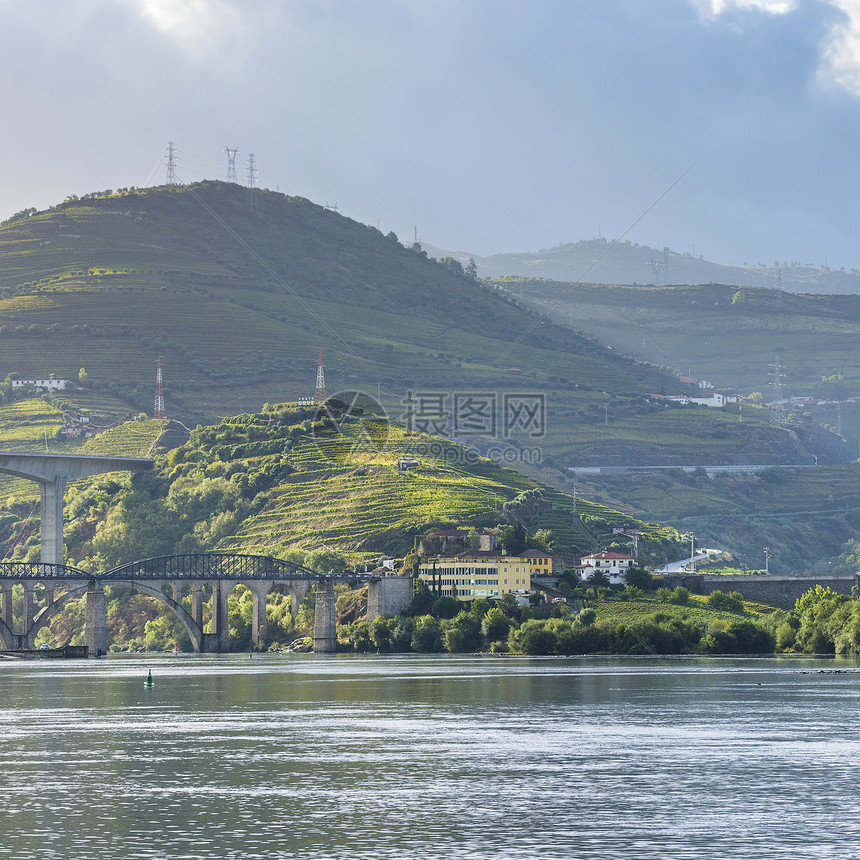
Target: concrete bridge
<point>52,472</point>
<point>209,577</point>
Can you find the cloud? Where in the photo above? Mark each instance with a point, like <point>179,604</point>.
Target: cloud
<point>772,7</point>
<point>839,59</point>
<point>840,62</point>
<point>199,27</point>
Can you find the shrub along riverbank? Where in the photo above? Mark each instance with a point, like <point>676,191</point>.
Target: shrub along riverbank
<point>630,620</point>
<point>626,621</point>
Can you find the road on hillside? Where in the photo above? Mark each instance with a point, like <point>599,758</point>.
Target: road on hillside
<point>681,566</point>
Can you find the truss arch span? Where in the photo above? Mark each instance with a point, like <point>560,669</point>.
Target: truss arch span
<point>210,566</point>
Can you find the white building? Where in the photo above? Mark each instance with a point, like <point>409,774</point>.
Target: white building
<point>613,564</point>
<point>50,383</point>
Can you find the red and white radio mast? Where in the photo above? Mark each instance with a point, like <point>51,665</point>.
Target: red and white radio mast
<point>159,393</point>
<point>319,396</point>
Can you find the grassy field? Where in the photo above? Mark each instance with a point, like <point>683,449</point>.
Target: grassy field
<point>697,610</point>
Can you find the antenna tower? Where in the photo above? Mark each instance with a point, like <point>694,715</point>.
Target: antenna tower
<point>159,393</point>
<point>171,163</point>
<point>231,163</point>
<point>319,394</point>
<point>776,377</point>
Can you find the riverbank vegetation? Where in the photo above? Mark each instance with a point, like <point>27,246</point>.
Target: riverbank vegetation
<point>615,621</point>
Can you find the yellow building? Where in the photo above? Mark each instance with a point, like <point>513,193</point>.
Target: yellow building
<point>540,563</point>
<point>478,573</point>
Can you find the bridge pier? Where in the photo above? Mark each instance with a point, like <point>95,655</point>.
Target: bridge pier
<point>27,609</point>
<point>260,591</point>
<point>51,493</point>
<point>52,472</point>
<point>325,632</point>
<point>197,603</point>
<point>96,619</point>
<point>389,595</point>
<point>220,623</point>
<point>7,605</point>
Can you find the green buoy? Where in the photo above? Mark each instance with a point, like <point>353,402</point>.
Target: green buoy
<point>149,679</point>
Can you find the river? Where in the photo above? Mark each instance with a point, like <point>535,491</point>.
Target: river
<point>411,756</point>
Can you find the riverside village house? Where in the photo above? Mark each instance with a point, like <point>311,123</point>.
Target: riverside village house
<point>613,564</point>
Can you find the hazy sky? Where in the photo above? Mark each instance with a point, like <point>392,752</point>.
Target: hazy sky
<point>492,125</point>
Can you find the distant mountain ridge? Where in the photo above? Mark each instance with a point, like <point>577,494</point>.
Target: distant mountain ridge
<point>629,263</point>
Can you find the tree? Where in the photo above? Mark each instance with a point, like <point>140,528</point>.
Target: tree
<point>534,637</point>
<point>815,596</point>
<point>446,606</point>
<point>731,602</point>
<point>513,538</point>
<point>324,560</point>
<point>471,271</point>
<point>495,625</point>
<point>832,387</point>
<point>639,577</point>
<point>380,633</point>
<point>422,599</point>
<point>427,635</point>
<point>681,597</point>
<point>598,579</point>
<point>480,607</point>
<point>453,265</point>
<point>463,633</point>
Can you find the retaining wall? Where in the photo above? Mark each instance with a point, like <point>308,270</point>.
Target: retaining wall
<point>778,590</point>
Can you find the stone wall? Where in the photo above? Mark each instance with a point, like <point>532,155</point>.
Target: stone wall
<point>778,590</point>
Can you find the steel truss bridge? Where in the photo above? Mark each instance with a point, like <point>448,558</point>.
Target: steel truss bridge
<point>210,577</point>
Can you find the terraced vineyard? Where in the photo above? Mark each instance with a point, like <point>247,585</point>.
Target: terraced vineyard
<point>286,482</point>
<point>132,439</point>
<point>239,299</point>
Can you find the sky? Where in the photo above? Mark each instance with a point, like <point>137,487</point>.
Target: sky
<point>726,128</point>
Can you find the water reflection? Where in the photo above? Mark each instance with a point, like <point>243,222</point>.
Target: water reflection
<point>401,756</point>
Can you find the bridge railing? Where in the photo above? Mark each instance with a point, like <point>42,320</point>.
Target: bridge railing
<point>190,566</point>
<point>37,570</point>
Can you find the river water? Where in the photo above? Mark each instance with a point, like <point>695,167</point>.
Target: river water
<point>309,756</point>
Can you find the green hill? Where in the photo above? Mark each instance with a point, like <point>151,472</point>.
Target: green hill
<point>286,482</point>
<point>239,291</point>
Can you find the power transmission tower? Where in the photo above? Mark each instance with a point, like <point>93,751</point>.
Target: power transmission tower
<point>251,175</point>
<point>231,163</point>
<point>776,376</point>
<point>659,268</point>
<point>159,393</point>
<point>171,163</point>
<point>319,394</point>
